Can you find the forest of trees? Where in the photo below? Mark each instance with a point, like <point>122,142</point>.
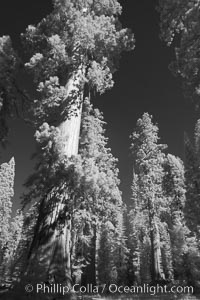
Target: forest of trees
<point>73,225</point>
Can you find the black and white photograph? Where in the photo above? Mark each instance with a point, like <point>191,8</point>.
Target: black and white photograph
<point>100,150</point>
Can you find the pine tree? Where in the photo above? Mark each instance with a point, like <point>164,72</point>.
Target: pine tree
<point>77,45</point>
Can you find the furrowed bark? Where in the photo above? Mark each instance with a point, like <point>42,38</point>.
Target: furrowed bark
<point>156,264</point>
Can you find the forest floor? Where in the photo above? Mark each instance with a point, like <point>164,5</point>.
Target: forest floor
<point>8,296</point>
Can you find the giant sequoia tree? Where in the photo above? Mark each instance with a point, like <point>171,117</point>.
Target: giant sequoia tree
<point>73,50</point>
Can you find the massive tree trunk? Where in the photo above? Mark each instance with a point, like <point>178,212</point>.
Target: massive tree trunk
<point>156,263</point>
<point>50,253</point>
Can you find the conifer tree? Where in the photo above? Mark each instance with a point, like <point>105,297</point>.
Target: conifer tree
<point>92,181</point>
<point>173,219</point>
<point>99,167</point>
<point>185,233</point>
<point>149,203</point>
<point>10,252</point>
<point>11,94</point>
<point>177,246</point>
<point>138,242</point>
<point>180,23</point>
<point>77,45</point>
<point>7,174</point>
<point>192,174</point>
<point>24,224</point>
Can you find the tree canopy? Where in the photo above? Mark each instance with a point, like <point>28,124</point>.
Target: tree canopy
<point>180,24</point>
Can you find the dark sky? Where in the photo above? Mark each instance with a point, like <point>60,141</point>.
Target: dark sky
<point>142,84</point>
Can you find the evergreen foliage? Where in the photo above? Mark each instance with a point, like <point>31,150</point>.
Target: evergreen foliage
<point>161,245</point>
<point>9,89</point>
<point>192,181</point>
<point>181,19</point>
<point>92,180</point>
<point>148,159</point>
<point>75,47</point>
<point>10,229</point>
<point>72,229</point>
<point>73,35</point>
<point>7,174</point>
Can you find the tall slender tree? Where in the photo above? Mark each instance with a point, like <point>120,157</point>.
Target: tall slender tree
<point>7,174</point>
<point>99,167</point>
<point>148,159</point>
<point>168,248</point>
<point>173,218</point>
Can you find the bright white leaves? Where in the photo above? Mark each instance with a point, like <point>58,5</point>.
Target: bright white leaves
<point>99,7</point>
<point>45,133</point>
<point>58,51</point>
<point>93,26</point>
<point>53,95</point>
<point>7,173</point>
<point>107,7</point>
<point>35,59</point>
<point>181,18</point>
<point>99,76</point>
<point>49,139</point>
<point>7,55</point>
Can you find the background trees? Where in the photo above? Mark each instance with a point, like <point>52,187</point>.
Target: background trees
<point>160,240</point>
<point>180,24</point>
<point>11,229</point>
<point>74,232</point>
<point>192,180</point>
<point>148,159</point>
<point>7,192</point>
<point>102,198</point>
<point>9,90</point>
